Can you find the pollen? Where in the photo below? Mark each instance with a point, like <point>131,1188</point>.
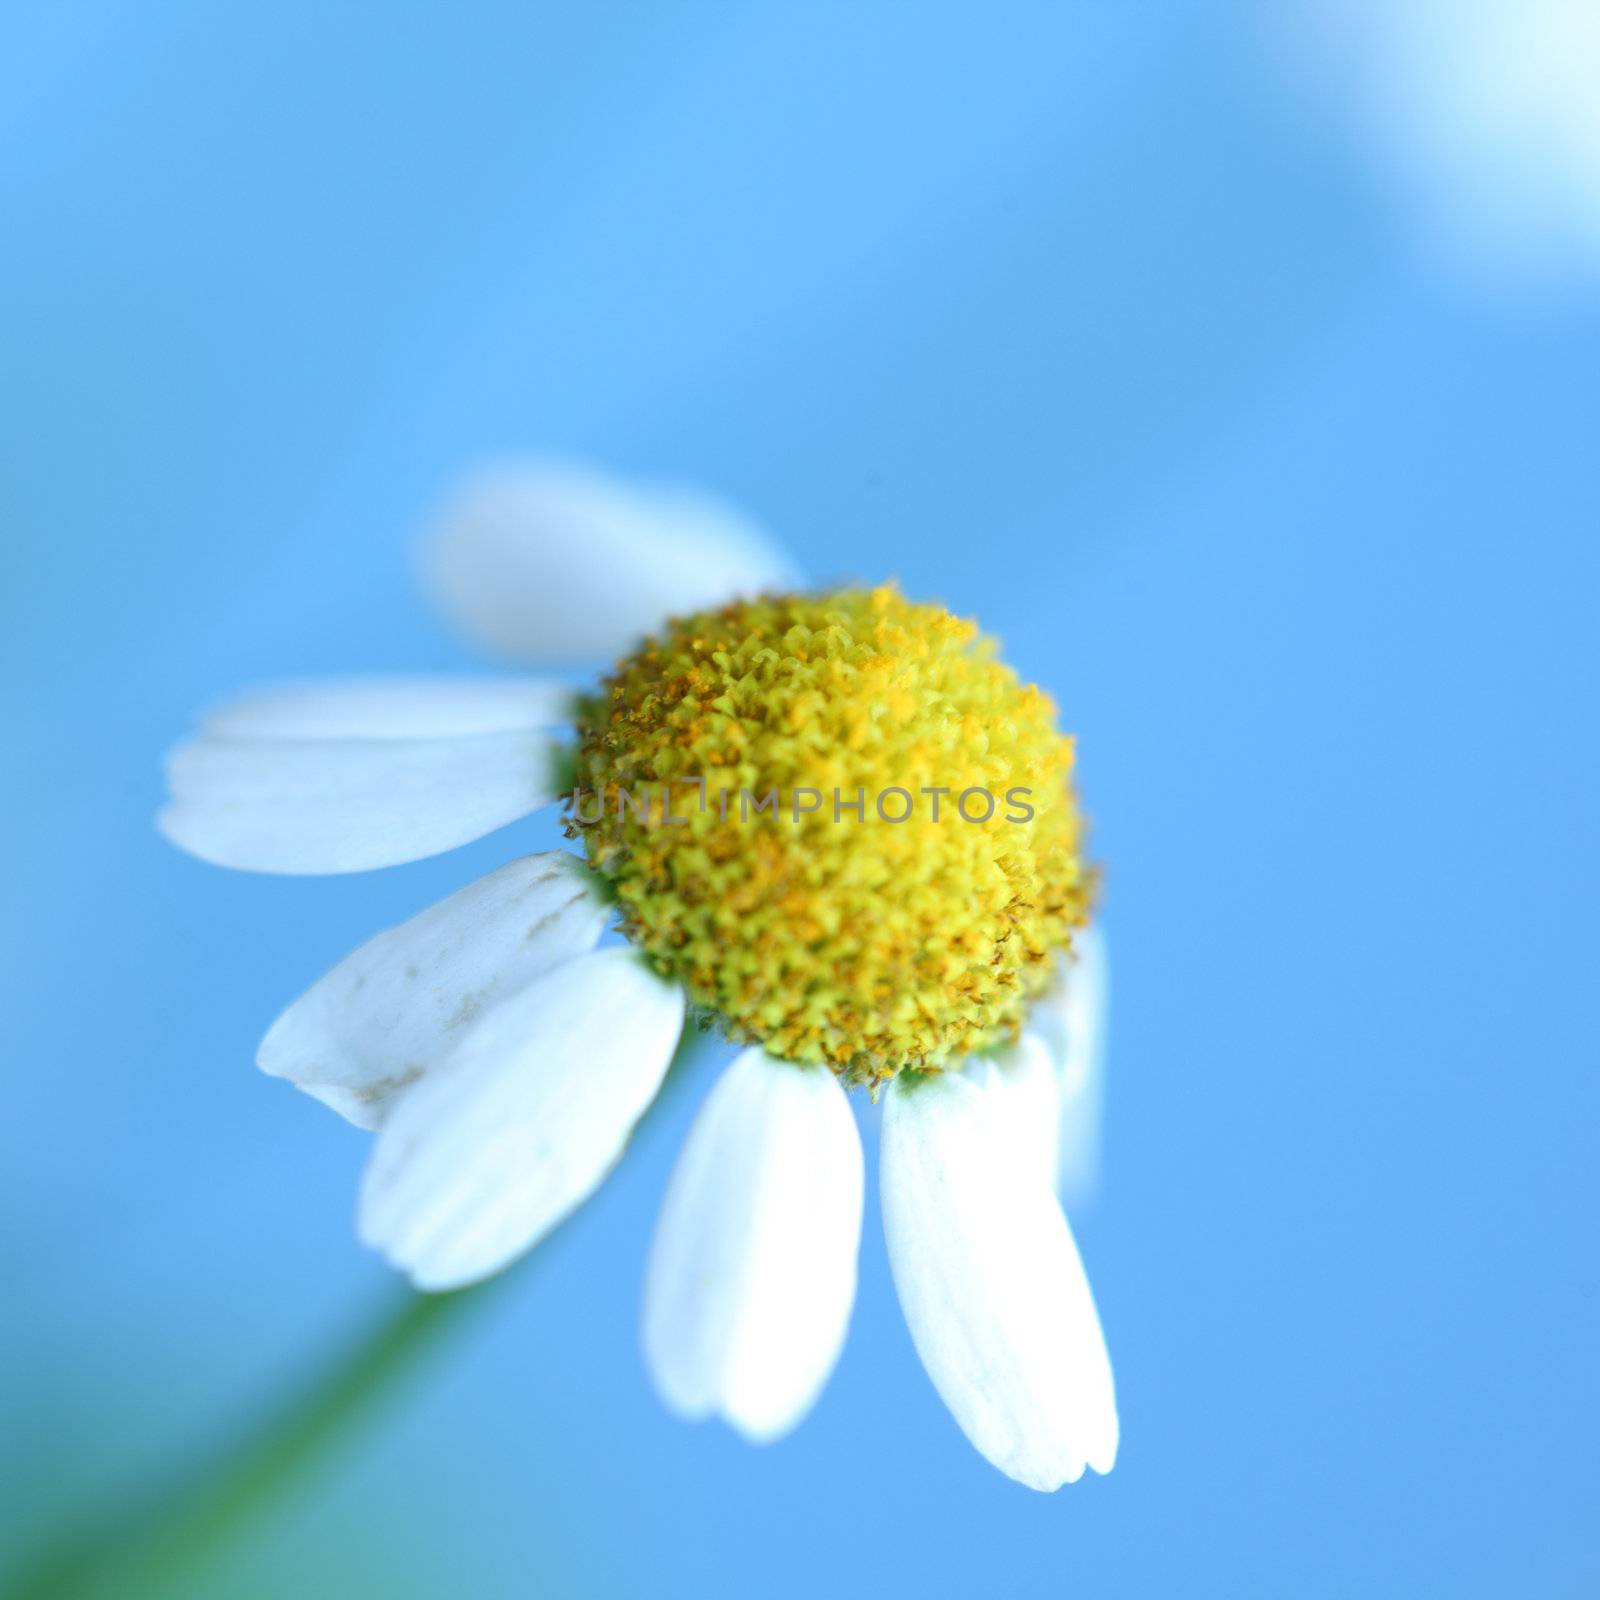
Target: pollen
<point>841,822</point>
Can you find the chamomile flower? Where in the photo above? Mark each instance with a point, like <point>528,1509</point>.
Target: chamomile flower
<point>833,825</point>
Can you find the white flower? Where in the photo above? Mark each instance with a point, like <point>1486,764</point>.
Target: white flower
<point>502,1055</point>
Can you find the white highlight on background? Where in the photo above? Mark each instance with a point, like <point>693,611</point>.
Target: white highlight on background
<point>1483,114</point>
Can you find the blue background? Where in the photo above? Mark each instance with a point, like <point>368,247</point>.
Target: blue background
<point>1065,315</point>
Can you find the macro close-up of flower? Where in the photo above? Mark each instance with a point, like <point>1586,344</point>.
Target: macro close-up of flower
<point>623,623</point>
<point>862,929</point>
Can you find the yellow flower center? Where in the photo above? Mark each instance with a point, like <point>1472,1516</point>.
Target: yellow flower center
<point>840,822</point>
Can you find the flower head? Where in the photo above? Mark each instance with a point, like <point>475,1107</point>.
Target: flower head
<point>836,825</point>
<point>914,866</point>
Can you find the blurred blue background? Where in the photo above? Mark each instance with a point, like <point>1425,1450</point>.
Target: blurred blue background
<point>1097,322</point>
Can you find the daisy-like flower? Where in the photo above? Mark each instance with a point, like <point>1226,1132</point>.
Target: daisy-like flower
<point>833,825</point>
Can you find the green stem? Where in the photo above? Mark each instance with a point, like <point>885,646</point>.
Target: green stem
<point>155,1545</point>
<point>175,1532</point>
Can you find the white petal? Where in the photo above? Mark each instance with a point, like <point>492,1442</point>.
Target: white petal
<point>1032,1099</point>
<point>346,805</point>
<point>393,708</point>
<point>551,562</point>
<point>991,1285</point>
<point>362,1035</point>
<point>1072,1017</point>
<point>481,1159</point>
<point>753,1271</point>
